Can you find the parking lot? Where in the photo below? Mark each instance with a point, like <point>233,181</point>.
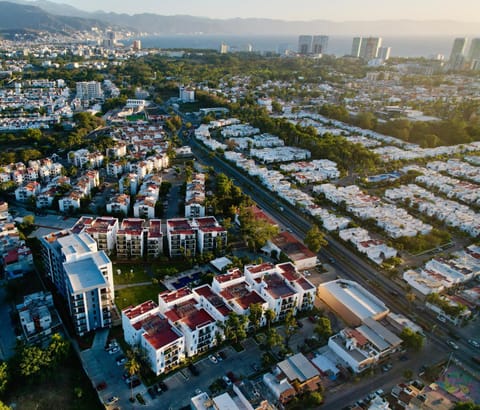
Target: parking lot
<point>102,369</point>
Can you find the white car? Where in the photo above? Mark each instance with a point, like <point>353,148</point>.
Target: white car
<point>474,343</point>
<point>114,350</point>
<point>452,344</point>
<point>111,400</point>
<point>227,381</point>
<point>213,359</point>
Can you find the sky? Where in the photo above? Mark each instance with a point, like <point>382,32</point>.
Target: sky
<point>337,10</point>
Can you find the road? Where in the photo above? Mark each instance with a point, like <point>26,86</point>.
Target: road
<point>347,264</point>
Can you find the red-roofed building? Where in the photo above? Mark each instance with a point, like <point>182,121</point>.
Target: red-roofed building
<point>130,238</point>
<point>269,281</point>
<point>197,326</point>
<point>181,237</point>
<point>103,230</point>
<point>297,252</point>
<point>162,342</point>
<point>212,303</point>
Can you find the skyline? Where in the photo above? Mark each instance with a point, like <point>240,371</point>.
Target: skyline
<point>341,10</point>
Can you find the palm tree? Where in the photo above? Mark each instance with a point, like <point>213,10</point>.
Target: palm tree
<point>132,366</point>
<point>269,316</point>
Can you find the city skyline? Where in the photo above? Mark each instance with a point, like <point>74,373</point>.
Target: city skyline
<point>342,10</point>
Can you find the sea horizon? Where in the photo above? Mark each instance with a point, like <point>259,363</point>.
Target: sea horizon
<point>402,46</point>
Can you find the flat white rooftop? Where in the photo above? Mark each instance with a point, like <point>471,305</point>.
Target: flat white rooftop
<point>356,298</point>
<point>84,275</point>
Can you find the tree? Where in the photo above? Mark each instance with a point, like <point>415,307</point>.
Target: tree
<point>270,317</point>
<point>3,376</point>
<point>291,326</point>
<point>255,316</point>
<point>323,328</point>
<point>466,405</point>
<point>58,349</point>
<point>132,366</point>
<point>3,406</point>
<point>315,239</point>
<point>255,231</point>
<point>410,297</point>
<point>412,340</point>
<point>32,360</point>
<point>273,339</point>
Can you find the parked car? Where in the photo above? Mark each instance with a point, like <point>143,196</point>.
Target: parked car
<point>151,392</point>
<point>111,400</point>
<point>121,360</point>
<point>452,344</point>
<point>222,354</point>
<point>403,358</point>
<point>101,386</point>
<point>227,381</point>
<point>219,358</point>
<point>213,359</point>
<point>114,350</point>
<point>136,382</point>
<point>163,386</point>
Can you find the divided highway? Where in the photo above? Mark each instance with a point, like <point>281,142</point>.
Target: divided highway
<point>347,264</point>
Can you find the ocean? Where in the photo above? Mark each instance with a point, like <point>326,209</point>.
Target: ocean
<point>402,46</point>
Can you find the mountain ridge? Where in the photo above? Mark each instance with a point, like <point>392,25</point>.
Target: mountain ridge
<point>186,24</point>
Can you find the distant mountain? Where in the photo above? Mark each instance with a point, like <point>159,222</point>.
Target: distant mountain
<point>14,16</point>
<point>184,24</point>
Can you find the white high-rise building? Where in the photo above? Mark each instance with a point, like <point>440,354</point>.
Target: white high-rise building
<point>83,276</point>
<point>319,44</point>
<point>458,48</point>
<point>474,52</point>
<point>305,44</point>
<point>384,53</point>
<point>356,46</point>
<point>369,47</point>
<point>457,56</point>
<point>89,90</point>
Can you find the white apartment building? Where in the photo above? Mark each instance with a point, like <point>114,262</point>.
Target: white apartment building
<point>89,90</point>
<point>195,197</point>
<point>83,275</point>
<point>118,204</point>
<point>194,322</point>
<point>29,190</point>
<point>103,230</point>
<point>162,343</point>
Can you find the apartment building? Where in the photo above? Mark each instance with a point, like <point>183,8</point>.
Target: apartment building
<point>200,235</point>
<point>163,344</point>
<point>181,238</point>
<point>103,230</point>
<point>194,322</point>
<point>195,197</point>
<point>130,238</point>
<point>83,276</point>
<point>137,238</point>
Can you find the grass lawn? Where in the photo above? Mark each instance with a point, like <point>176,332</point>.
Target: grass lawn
<point>136,295</point>
<point>139,273</point>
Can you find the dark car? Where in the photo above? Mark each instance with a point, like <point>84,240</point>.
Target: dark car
<point>222,354</point>
<point>403,358</point>
<point>151,392</point>
<point>163,386</point>
<point>136,382</point>
<point>157,388</point>
<point>101,386</point>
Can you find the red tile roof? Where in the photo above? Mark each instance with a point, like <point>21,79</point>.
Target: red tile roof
<point>134,311</point>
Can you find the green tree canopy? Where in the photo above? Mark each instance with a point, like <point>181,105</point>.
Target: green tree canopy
<point>315,239</point>
<point>412,340</point>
